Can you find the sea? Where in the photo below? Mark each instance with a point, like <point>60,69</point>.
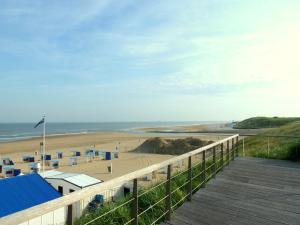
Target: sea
<point>21,131</point>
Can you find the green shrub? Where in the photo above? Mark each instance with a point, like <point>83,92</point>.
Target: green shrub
<point>265,122</point>
<point>123,214</point>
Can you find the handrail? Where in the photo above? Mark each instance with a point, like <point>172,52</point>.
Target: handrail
<point>39,210</point>
<point>269,135</point>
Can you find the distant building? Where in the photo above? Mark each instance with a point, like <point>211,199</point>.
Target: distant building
<point>23,192</point>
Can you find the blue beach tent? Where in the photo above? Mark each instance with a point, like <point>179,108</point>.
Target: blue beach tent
<point>108,156</point>
<point>22,192</point>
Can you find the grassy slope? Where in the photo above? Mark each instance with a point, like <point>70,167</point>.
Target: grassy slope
<point>280,148</point>
<point>265,122</point>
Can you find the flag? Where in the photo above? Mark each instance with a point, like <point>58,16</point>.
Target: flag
<point>39,123</point>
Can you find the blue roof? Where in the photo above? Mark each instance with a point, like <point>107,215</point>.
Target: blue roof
<point>22,192</point>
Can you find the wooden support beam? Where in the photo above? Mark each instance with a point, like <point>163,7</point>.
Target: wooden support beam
<point>135,207</point>
<point>203,169</point>
<point>168,194</point>
<point>214,162</point>
<point>190,184</point>
<point>232,149</point>
<point>222,156</point>
<point>70,215</point>
<point>227,153</point>
<point>237,146</point>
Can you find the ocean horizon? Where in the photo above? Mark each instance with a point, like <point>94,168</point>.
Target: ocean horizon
<point>22,131</point>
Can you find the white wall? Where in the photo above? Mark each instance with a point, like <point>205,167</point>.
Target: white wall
<point>66,185</point>
<point>57,217</point>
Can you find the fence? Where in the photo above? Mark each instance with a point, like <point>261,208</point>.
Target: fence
<point>202,165</point>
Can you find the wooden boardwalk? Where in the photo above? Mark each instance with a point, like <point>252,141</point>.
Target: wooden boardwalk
<point>248,192</point>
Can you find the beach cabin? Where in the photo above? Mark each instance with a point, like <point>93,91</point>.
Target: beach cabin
<point>47,157</point>
<point>17,172</point>
<point>59,155</point>
<point>89,152</point>
<point>115,154</point>
<point>72,161</point>
<point>54,164</point>
<point>76,153</point>
<point>92,152</point>
<point>101,154</point>
<point>107,155</point>
<point>34,167</point>
<point>6,162</point>
<point>96,153</point>
<point>8,171</point>
<point>28,158</point>
<point>23,192</point>
<point>89,155</point>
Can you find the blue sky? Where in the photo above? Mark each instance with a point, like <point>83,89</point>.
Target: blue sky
<point>154,60</point>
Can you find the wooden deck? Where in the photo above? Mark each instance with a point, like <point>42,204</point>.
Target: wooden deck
<point>248,192</point>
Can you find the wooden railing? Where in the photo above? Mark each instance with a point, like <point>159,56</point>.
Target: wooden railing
<point>214,152</point>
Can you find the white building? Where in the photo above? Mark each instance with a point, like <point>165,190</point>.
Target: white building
<point>67,183</point>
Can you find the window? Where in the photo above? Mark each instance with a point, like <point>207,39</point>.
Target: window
<point>71,190</point>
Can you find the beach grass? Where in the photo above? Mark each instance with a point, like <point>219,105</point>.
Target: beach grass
<point>265,122</point>
<point>158,192</point>
<point>285,148</point>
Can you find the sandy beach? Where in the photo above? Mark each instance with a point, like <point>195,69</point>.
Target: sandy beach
<point>125,142</point>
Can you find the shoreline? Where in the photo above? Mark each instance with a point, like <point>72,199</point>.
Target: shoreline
<point>87,139</point>
<point>133,130</point>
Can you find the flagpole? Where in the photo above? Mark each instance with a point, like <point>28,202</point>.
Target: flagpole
<point>44,144</point>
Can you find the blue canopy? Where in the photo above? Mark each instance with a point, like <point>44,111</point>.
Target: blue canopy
<point>22,192</point>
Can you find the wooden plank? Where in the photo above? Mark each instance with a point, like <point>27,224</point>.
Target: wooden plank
<point>249,208</point>
<point>247,192</point>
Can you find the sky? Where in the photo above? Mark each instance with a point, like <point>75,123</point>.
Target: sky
<point>171,60</point>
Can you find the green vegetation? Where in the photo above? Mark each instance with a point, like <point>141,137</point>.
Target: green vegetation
<point>287,148</point>
<point>122,215</point>
<point>159,145</point>
<point>265,122</point>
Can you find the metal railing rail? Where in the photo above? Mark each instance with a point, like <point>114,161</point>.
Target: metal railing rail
<point>68,200</point>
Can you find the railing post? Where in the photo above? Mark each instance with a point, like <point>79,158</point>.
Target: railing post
<point>203,169</point>
<point>214,162</point>
<point>70,215</point>
<point>190,185</point>
<point>243,146</point>
<point>227,153</point>
<point>232,149</point>
<point>168,193</point>
<point>134,210</point>
<point>237,146</point>
<point>222,155</point>
<point>268,153</point>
